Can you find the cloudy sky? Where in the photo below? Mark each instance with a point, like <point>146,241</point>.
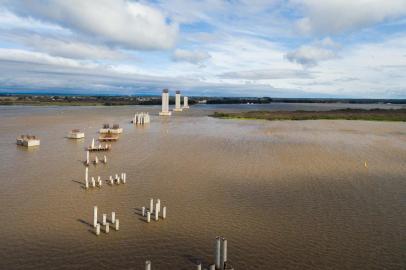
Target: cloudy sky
<point>279,48</point>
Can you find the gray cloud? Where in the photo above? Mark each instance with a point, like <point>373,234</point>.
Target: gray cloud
<point>267,74</point>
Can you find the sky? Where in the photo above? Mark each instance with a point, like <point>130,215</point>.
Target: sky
<point>275,48</point>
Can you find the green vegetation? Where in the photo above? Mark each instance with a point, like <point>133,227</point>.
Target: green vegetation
<point>344,114</point>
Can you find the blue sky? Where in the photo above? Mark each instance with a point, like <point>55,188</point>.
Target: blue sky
<point>277,48</point>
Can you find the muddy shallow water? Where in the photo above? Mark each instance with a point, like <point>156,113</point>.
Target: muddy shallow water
<point>286,195</point>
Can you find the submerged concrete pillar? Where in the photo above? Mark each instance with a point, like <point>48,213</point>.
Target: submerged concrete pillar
<point>199,266</point>
<point>95,216</point>
<point>177,102</point>
<point>156,213</point>
<point>105,160</point>
<point>217,254</point>
<point>151,205</point>
<point>107,229</point>
<point>87,178</point>
<point>97,229</point>
<point>96,160</point>
<point>87,157</point>
<point>93,182</point>
<point>148,216</point>
<point>147,265</point>
<point>165,103</point>
<point>117,224</point>
<point>92,143</point>
<point>164,212</point>
<point>113,217</point>
<point>223,253</point>
<point>143,211</point>
<point>104,219</point>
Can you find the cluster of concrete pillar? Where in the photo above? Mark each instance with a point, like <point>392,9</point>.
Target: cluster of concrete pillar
<point>94,182</point>
<point>100,147</point>
<point>115,222</point>
<point>141,118</point>
<point>96,159</point>
<point>154,210</point>
<point>178,107</point>
<point>221,254</point>
<point>118,179</point>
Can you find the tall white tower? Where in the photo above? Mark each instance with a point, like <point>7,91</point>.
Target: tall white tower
<point>178,108</point>
<point>165,103</point>
<point>185,103</point>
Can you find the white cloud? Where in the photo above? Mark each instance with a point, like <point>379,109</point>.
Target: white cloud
<point>194,57</point>
<point>121,22</point>
<point>311,55</point>
<point>335,16</point>
<point>267,74</point>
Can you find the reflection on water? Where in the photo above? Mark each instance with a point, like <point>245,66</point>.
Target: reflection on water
<point>287,195</point>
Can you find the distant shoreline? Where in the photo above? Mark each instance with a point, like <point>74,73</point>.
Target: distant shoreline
<point>341,114</point>
<point>104,100</point>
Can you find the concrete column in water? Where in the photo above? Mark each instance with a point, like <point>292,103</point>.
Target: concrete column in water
<point>95,216</point>
<point>186,102</point>
<point>105,160</point>
<point>223,253</point>
<point>151,205</point>
<point>93,182</point>
<point>156,212</point>
<point>148,216</point>
<point>165,103</point>
<point>107,229</point>
<point>96,160</point>
<point>143,211</point>
<point>217,254</point>
<point>113,217</point>
<point>177,102</point>
<point>92,143</point>
<point>97,229</point>
<point>158,201</point>
<point>212,267</point>
<point>199,266</point>
<point>104,219</point>
<point>87,177</point>
<point>164,212</point>
<point>147,265</point>
<point>87,157</point>
<point>117,224</point>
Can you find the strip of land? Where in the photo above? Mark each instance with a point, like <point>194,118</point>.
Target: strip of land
<point>342,114</point>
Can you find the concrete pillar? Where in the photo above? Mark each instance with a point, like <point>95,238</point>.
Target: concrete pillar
<point>87,178</point>
<point>111,180</point>
<point>158,201</point>
<point>223,253</point>
<point>100,182</point>
<point>199,266</point>
<point>113,217</point>
<point>164,212</point>
<point>87,157</point>
<point>156,213</point>
<point>92,143</point>
<point>212,267</point>
<point>217,254</point>
<point>151,205</point>
<point>186,102</point>
<point>107,229</point>
<point>165,103</point>
<point>143,211</point>
<point>124,177</point>
<point>177,102</point>
<point>96,160</point>
<point>93,182</point>
<point>105,160</point>
<point>147,265</point>
<point>104,219</point>
<point>94,216</point>
<point>97,229</point>
<point>148,216</point>
<point>117,224</point>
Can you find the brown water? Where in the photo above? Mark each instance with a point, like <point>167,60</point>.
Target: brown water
<point>286,195</point>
